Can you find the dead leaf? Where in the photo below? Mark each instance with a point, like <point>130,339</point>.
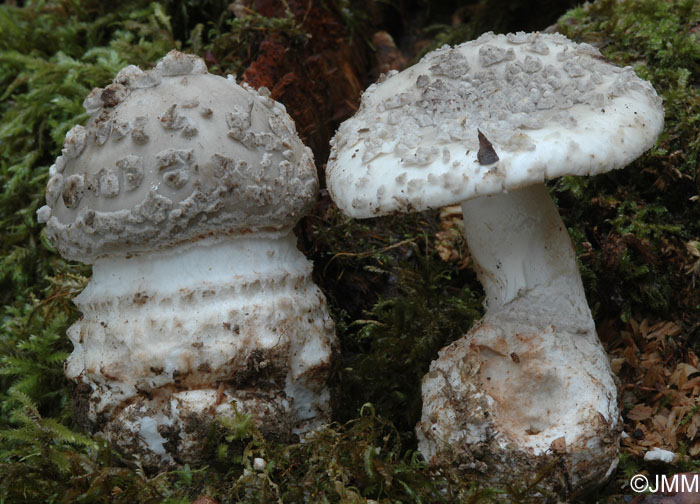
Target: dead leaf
<point>628,338</point>
<point>559,445</point>
<point>204,499</point>
<point>635,327</point>
<point>682,373</point>
<point>693,427</point>
<point>694,450</point>
<point>616,364</point>
<point>654,377</point>
<point>631,358</point>
<point>672,419</point>
<point>663,329</point>
<point>640,412</point>
<point>644,328</point>
<point>659,421</point>
<point>486,155</point>
<point>388,56</point>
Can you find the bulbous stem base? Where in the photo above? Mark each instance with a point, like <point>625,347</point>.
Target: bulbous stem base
<point>529,389</point>
<point>169,340</point>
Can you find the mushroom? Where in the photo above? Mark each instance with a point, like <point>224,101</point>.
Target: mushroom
<point>529,388</point>
<point>182,192</point>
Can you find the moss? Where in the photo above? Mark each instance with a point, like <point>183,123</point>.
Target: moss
<point>633,223</point>
<point>234,45</point>
<point>396,303</point>
<point>467,20</point>
<point>46,72</point>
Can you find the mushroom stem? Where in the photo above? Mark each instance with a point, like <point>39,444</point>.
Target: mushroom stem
<point>174,336</point>
<point>529,387</point>
<point>518,242</point>
<point>204,263</point>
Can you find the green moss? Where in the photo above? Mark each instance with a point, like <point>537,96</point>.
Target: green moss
<point>234,46</point>
<point>51,56</point>
<point>637,220</point>
<point>456,22</point>
<point>396,303</point>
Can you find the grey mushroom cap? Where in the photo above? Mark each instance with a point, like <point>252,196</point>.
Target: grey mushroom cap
<point>489,116</point>
<point>175,154</point>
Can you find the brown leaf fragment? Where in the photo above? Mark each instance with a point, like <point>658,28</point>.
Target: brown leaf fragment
<point>628,338</point>
<point>659,422</point>
<point>220,396</point>
<point>635,327</point>
<point>388,56</point>
<point>644,327</point>
<point>652,439</point>
<point>681,374</point>
<point>487,348</point>
<point>640,412</point>
<point>631,357</point>
<point>663,330</point>
<point>204,499</point>
<point>670,439</point>
<point>690,384</point>
<point>695,449</point>
<point>653,377</point>
<point>676,413</point>
<point>693,426</point>
<point>616,364</point>
<point>486,155</point>
<point>559,445</point>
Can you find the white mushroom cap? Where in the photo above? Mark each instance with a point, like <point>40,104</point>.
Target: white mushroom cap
<point>175,154</point>
<point>545,107</point>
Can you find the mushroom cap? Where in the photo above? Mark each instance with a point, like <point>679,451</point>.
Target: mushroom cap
<point>175,154</point>
<point>489,116</point>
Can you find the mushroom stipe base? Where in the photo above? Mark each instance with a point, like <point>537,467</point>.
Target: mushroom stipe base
<point>529,388</point>
<point>171,339</point>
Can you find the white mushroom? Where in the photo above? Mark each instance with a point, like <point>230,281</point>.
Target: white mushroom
<point>485,124</point>
<point>199,296</point>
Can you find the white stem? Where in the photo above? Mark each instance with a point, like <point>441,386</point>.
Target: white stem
<point>519,242</point>
<point>530,383</point>
<point>205,263</point>
<point>170,338</point>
